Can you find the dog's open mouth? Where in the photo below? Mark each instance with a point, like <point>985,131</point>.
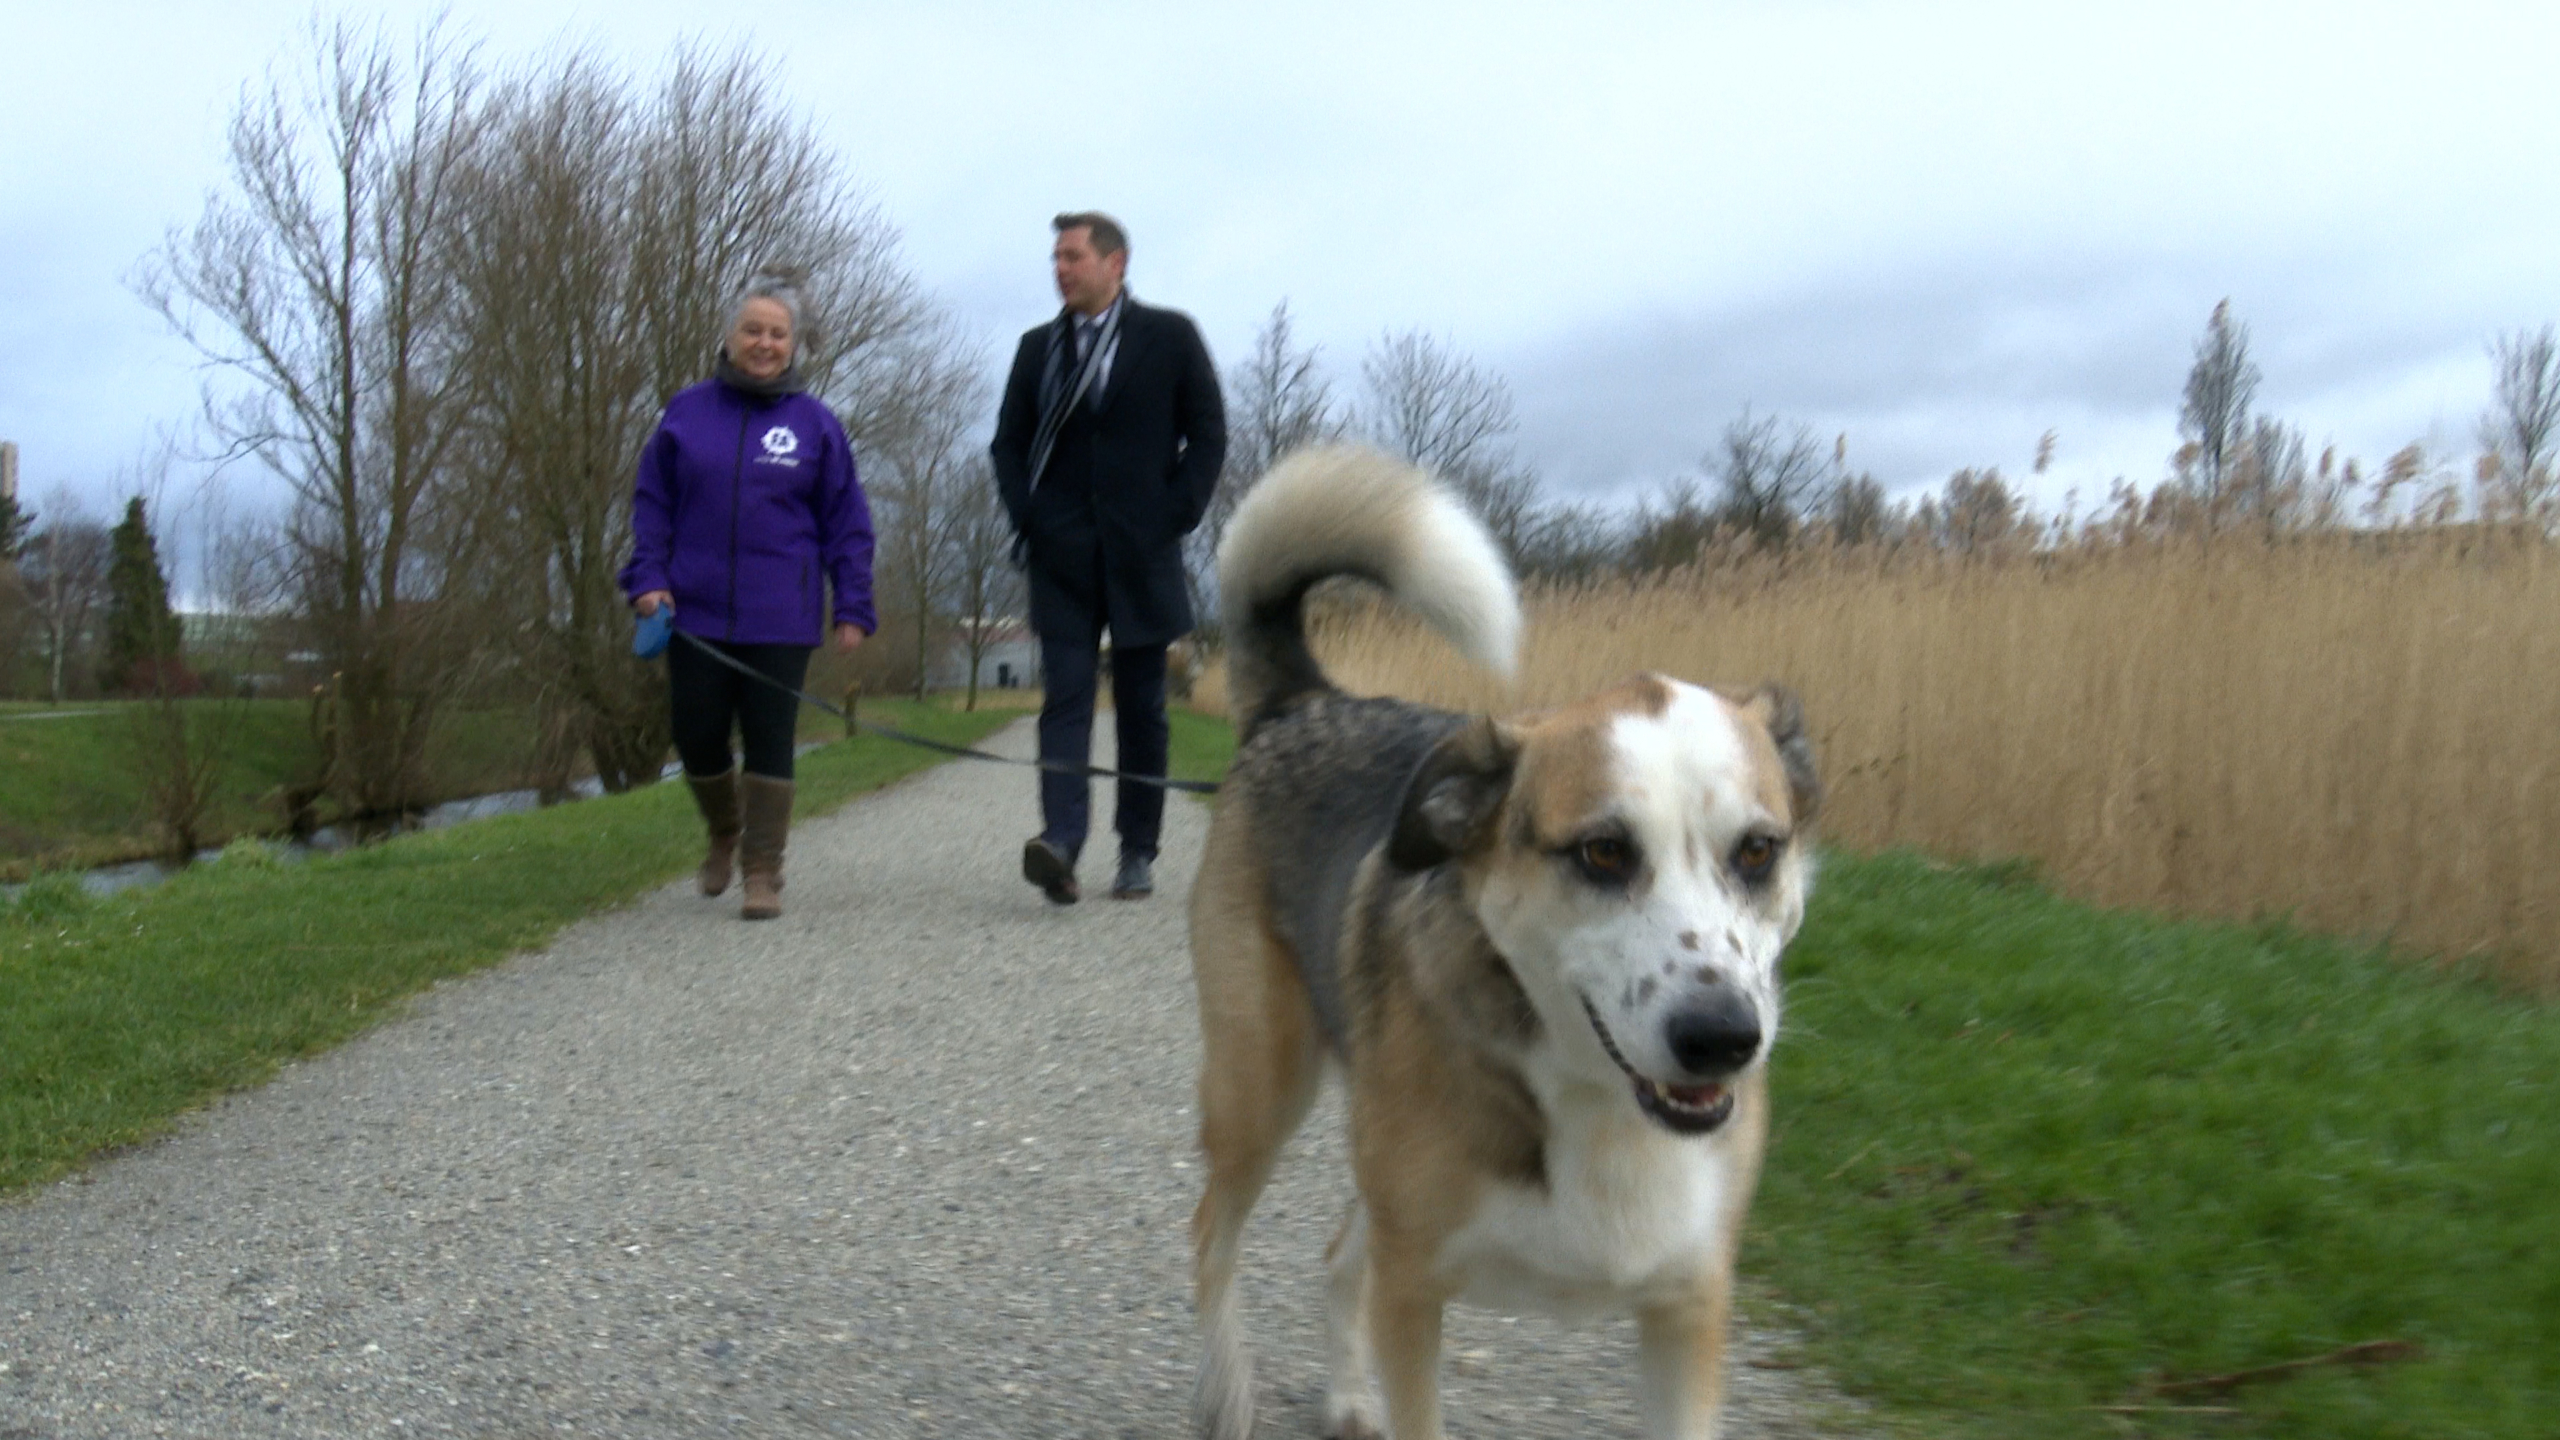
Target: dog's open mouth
<point>1686,1109</point>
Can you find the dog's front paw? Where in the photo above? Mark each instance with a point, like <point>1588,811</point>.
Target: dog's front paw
<point>1222,1402</point>
<point>1353,1417</point>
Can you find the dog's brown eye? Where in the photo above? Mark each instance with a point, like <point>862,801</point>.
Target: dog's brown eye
<point>1754,857</point>
<point>1606,859</point>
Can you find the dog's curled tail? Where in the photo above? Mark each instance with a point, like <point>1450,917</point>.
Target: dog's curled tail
<point>1347,510</point>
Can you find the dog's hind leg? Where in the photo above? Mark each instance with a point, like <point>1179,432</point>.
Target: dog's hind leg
<point>1351,1395</point>
<point>1259,1068</point>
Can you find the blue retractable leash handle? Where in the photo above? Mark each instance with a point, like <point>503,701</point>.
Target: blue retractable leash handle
<point>656,632</point>
<point>649,641</point>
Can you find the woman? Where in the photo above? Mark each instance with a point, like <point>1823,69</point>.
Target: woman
<point>745,513</point>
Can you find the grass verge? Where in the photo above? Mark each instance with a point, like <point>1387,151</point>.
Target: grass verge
<point>1201,746</point>
<point>2036,1164</point>
<point>2039,1169</point>
<point>116,1015</point>
<point>71,791</point>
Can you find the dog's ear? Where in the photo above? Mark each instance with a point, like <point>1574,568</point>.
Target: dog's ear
<point>1453,793</point>
<point>1776,707</point>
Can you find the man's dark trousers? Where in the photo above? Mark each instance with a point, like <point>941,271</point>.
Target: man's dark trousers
<point>1069,663</point>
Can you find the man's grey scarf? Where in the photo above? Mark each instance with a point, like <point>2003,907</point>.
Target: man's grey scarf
<point>1060,390</point>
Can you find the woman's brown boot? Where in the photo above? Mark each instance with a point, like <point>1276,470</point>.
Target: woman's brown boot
<point>717,798</point>
<point>768,825</point>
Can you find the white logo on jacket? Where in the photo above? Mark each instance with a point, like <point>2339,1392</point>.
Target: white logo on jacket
<point>779,442</point>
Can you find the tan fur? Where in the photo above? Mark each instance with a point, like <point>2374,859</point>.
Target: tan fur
<point>1254,1017</point>
<point>1460,964</point>
<point>1433,1125</point>
<point>1564,777</point>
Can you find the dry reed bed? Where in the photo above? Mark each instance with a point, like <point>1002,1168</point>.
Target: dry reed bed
<point>2358,732</point>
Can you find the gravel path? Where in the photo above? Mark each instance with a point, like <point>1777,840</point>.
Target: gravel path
<point>913,1160</point>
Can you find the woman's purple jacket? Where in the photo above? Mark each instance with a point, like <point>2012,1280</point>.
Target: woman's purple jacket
<point>744,507</point>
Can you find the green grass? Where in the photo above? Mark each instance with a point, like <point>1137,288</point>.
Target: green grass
<point>69,787</point>
<point>2031,1157</point>
<point>1202,745</point>
<point>118,1014</point>
<point>71,792</point>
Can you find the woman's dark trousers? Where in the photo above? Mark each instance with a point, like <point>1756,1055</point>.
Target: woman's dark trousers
<point>709,700</point>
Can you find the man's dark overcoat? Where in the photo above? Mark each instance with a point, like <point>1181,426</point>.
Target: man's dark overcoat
<point>1132,473</point>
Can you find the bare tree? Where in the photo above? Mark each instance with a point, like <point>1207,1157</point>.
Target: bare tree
<point>986,590</point>
<point>1568,544</point>
<point>1670,529</point>
<point>2517,478</point>
<point>17,524</point>
<point>921,477</point>
<point>730,183</point>
<point>2270,484</point>
<point>1767,477</point>
<point>63,573</point>
<point>915,498</point>
<point>2214,416</point>
<point>1278,400</point>
<point>1976,512</point>
<point>1437,408</point>
<point>320,284</point>
<point>612,224</point>
<point>1857,512</point>
<point>183,739</point>
<point>561,391</point>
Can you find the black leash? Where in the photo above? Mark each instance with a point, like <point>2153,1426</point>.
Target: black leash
<point>890,732</point>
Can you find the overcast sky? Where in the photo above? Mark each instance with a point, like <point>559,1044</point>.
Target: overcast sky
<point>1940,228</point>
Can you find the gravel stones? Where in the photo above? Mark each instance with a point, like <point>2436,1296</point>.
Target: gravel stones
<point>913,1160</point>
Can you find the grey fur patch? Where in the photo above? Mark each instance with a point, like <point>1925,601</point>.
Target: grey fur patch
<point>1455,790</point>
<point>1324,778</point>
<point>1417,944</point>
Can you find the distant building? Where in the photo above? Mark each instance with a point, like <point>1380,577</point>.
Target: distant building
<point>1008,660</point>
<point>8,469</point>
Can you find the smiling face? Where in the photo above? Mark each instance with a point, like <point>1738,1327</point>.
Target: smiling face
<point>760,341</point>
<point>1644,874</point>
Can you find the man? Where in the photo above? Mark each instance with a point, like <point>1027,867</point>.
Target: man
<point>1107,450</point>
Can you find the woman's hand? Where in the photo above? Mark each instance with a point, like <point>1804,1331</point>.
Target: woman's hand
<point>848,636</point>
<point>648,604</point>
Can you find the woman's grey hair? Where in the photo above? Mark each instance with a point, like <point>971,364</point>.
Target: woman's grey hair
<point>777,288</point>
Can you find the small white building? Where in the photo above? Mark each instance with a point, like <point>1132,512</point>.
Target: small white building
<point>1008,657</point>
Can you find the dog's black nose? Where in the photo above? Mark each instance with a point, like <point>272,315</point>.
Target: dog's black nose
<point>1715,1035</point>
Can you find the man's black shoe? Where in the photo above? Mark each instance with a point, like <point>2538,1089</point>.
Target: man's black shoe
<point>1048,867</point>
<point>1137,879</point>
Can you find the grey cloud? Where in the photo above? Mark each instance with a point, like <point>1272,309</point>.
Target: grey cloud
<point>1930,370</point>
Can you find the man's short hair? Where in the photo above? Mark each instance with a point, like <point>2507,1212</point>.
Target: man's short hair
<point>1108,237</point>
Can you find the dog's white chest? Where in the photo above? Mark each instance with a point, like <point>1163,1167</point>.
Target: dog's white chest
<point>1629,1212</point>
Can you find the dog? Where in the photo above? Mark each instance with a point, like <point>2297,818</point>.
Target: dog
<point>1541,951</point>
